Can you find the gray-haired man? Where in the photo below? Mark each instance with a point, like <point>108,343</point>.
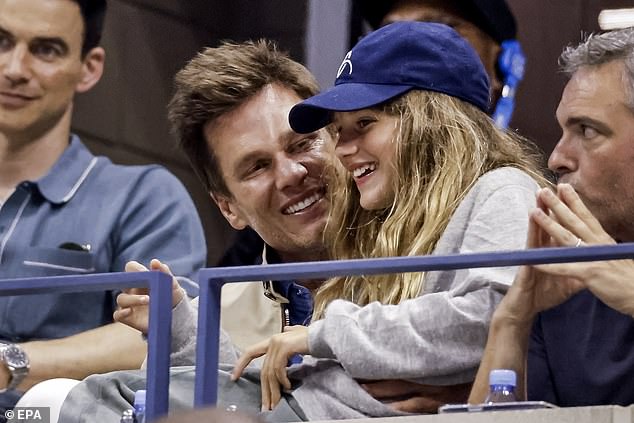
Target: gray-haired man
<point>568,329</point>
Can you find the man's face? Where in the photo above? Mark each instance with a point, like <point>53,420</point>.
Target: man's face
<point>596,151</point>
<point>40,63</point>
<point>447,12</point>
<point>275,176</point>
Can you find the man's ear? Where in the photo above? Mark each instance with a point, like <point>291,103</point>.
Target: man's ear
<point>229,211</point>
<point>91,69</point>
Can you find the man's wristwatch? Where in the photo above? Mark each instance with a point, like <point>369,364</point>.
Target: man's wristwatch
<point>17,362</point>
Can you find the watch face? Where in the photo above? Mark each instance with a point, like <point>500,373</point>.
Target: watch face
<point>14,356</point>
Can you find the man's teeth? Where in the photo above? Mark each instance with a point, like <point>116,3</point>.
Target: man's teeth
<point>303,204</point>
<point>360,171</point>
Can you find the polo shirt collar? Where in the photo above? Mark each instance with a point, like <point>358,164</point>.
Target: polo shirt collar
<point>61,183</point>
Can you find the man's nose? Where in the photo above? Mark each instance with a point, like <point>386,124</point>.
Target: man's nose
<point>290,172</point>
<point>563,158</point>
<point>16,67</point>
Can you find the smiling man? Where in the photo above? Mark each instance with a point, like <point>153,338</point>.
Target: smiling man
<point>273,177</point>
<point>230,115</point>
<point>64,211</point>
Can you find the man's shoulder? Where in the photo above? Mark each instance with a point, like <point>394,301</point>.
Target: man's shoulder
<point>135,176</point>
<point>98,169</point>
<point>129,187</point>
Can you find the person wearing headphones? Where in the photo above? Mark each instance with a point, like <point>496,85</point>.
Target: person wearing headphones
<point>488,25</point>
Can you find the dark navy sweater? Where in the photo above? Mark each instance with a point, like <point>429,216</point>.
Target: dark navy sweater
<point>582,353</point>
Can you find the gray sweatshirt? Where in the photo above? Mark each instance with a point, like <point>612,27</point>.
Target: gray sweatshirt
<point>437,338</point>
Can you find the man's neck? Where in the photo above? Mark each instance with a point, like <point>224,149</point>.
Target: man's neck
<point>24,157</point>
<point>304,255</point>
<point>308,255</point>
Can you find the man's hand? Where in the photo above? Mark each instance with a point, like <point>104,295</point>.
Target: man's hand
<point>560,220</point>
<point>569,223</point>
<point>410,397</point>
<point>278,349</point>
<point>538,288</point>
<point>133,303</point>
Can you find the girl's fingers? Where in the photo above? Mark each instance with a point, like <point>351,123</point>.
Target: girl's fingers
<point>127,300</point>
<point>122,313</point>
<point>247,357</point>
<point>135,266</point>
<point>282,376</point>
<point>157,264</point>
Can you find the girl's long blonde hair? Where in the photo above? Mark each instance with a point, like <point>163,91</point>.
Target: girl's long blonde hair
<point>443,145</point>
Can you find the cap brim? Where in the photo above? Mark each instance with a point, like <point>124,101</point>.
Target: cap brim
<point>315,112</point>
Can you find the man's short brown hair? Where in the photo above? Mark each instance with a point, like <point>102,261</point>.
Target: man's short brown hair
<point>217,81</point>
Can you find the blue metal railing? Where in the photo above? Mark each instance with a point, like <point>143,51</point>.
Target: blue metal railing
<point>212,280</point>
<point>159,331</point>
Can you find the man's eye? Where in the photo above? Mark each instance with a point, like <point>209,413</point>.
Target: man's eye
<point>303,144</point>
<point>589,132</point>
<point>255,169</point>
<point>46,51</point>
<point>5,43</point>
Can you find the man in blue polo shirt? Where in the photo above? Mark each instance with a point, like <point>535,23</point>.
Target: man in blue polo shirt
<point>64,211</point>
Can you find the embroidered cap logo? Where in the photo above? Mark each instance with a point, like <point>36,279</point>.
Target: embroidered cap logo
<point>346,61</point>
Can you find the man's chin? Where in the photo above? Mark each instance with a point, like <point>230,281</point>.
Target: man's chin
<point>310,240</point>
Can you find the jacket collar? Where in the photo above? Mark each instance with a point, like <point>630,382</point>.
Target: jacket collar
<point>270,256</point>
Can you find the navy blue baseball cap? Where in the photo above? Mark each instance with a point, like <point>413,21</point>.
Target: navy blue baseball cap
<point>391,61</point>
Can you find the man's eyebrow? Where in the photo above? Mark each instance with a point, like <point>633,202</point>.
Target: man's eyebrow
<point>586,120</point>
<point>289,136</point>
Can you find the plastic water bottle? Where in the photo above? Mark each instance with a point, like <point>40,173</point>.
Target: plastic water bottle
<point>139,406</point>
<point>127,416</point>
<point>502,385</point>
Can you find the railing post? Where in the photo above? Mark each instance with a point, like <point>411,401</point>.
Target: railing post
<point>207,344</point>
<point>159,342</point>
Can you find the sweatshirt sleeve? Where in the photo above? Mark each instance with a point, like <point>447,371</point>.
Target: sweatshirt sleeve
<point>184,331</point>
<point>439,336</point>
<point>184,328</point>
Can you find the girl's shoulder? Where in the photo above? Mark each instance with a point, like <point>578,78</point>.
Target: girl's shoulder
<point>506,177</point>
